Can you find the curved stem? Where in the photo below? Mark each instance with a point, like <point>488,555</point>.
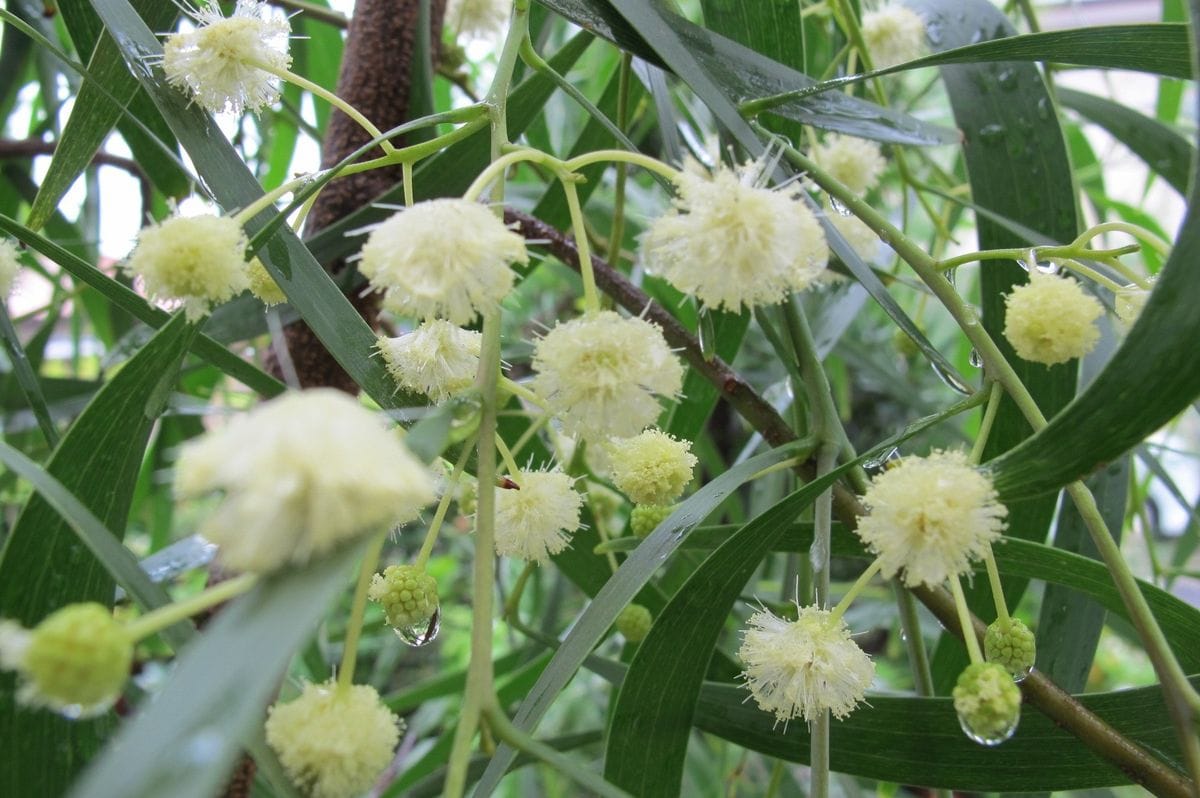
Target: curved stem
<point>622,156</point>
<point>591,299</point>
<point>510,464</point>
<point>366,570</point>
<point>859,584</point>
<point>995,393</point>
<point>170,614</point>
<point>964,621</point>
<point>325,94</point>
<point>1140,233</point>
<point>517,389</point>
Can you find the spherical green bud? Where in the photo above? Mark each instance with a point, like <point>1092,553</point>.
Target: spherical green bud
<point>408,595</point>
<point>634,623</point>
<point>468,495</point>
<point>75,661</point>
<point>1010,643</point>
<point>988,703</point>
<point>646,517</point>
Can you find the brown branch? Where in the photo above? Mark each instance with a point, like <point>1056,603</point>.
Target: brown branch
<point>29,148</point>
<point>1054,702</point>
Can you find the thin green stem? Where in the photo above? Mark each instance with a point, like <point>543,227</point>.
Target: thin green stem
<point>534,427</point>
<point>366,570</point>
<point>510,464</point>
<point>859,585</point>
<point>517,389</point>
<point>268,199</point>
<point>622,156</point>
<point>497,167</point>
<point>439,515</point>
<point>591,297</point>
<point>1140,233</point>
<point>1070,251</point>
<point>171,614</point>
<point>329,97</point>
<point>616,233</point>
<point>995,394</point>
<point>406,174</point>
<point>512,605</point>
<point>964,621</point>
<point>993,573</point>
<point>590,781</point>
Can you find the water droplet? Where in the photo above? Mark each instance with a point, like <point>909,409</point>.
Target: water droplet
<point>975,359</point>
<point>992,739</point>
<point>837,205</point>
<point>993,133</point>
<point>1023,675</point>
<point>952,380</point>
<point>1007,78</point>
<point>879,463</point>
<point>1023,264</point>
<point>1047,267</point>
<point>421,634</point>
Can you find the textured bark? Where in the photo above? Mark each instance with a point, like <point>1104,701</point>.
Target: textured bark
<point>376,78</point>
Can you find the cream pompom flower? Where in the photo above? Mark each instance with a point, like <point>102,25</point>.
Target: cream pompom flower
<point>601,374</point>
<point>732,242</point>
<point>10,266</point>
<point>263,285</point>
<point>804,667</point>
<point>930,517</point>
<point>76,661</point>
<point>200,260</point>
<point>334,741</point>
<point>893,34</point>
<point>444,258</point>
<point>861,238</point>
<point>535,520</point>
<point>221,62</point>
<point>438,359</point>
<point>855,163</point>
<point>300,475</point>
<point>478,18</point>
<point>1051,319</point>
<point>651,468</point>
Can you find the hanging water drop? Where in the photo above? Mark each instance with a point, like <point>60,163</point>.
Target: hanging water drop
<point>975,359</point>
<point>992,737</point>
<point>881,462</point>
<point>421,634</point>
<point>951,379</point>
<point>1047,267</point>
<point>837,205</point>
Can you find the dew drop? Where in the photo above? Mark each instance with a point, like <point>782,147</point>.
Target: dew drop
<point>421,634</point>
<point>975,359</point>
<point>994,738</point>
<point>951,380</point>
<point>1047,267</point>
<point>879,463</point>
<point>837,205</point>
<point>993,133</point>
<point>1023,264</point>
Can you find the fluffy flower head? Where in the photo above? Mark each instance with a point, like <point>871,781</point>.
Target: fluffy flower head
<point>536,521</point>
<point>263,285</point>
<point>478,18</point>
<point>651,468</point>
<point>333,741</point>
<point>300,475</point>
<point>10,265</point>
<point>930,517</point>
<point>893,34</point>
<point>438,359</point>
<point>733,243</point>
<point>802,667</point>
<point>854,162</point>
<point>601,374</point>
<point>987,702</point>
<point>1051,319</point>
<point>862,239</point>
<point>444,258</point>
<point>200,260</point>
<point>76,661</point>
<point>218,62</point>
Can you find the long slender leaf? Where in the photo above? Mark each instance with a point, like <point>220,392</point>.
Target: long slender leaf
<point>1164,151</point>
<point>83,493</point>
<point>26,377</point>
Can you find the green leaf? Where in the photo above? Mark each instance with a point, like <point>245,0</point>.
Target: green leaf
<point>1017,164</point>
<point>918,741</point>
<point>46,564</point>
<point>1164,151</point>
<point>26,377</point>
<point>618,591</point>
<point>217,695</point>
<point>98,106</point>
<point>740,73</point>
<point>137,307</point>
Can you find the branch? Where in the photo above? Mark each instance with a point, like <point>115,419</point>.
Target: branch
<point>28,148</point>
<point>1054,702</point>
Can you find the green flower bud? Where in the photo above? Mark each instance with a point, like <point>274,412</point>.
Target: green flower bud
<point>646,517</point>
<point>76,661</point>
<point>1010,644</point>
<point>408,595</point>
<point>634,623</point>
<point>988,703</point>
